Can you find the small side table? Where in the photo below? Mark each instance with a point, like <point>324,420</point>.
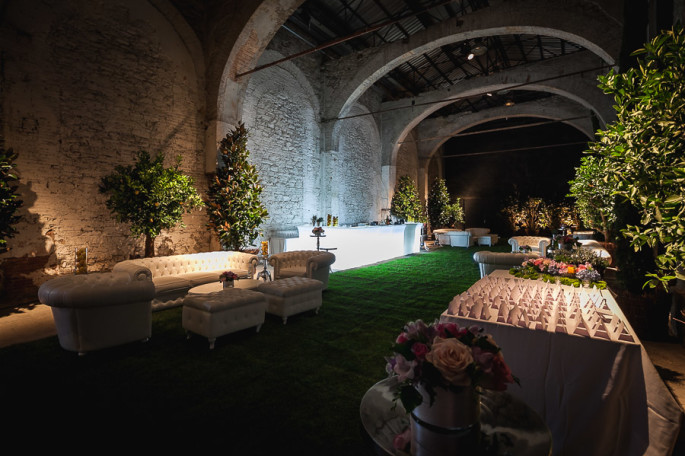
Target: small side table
<point>264,273</point>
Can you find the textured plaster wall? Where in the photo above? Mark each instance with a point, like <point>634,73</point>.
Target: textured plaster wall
<point>83,89</point>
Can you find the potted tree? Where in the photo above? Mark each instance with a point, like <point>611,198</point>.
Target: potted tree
<point>149,196</point>
<point>9,202</point>
<point>233,198</point>
<point>9,199</point>
<point>437,204</point>
<point>405,203</point>
<point>642,153</point>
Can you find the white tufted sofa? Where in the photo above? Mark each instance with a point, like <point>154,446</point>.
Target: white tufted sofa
<point>538,244</point>
<point>174,275</point>
<point>99,310</point>
<point>312,264</point>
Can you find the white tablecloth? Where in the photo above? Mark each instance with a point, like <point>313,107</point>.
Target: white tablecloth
<point>581,365</point>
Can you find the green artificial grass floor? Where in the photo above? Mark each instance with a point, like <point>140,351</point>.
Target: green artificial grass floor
<point>291,389</point>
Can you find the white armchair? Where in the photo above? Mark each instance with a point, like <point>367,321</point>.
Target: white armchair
<point>312,264</point>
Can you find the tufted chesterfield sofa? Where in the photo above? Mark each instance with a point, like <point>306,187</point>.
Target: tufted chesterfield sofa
<point>312,264</point>
<point>538,244</point>
<point>174,275</point>
<point>491,261</point>
<point>99,310</point>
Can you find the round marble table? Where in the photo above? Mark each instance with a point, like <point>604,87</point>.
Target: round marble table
<point>504,418</point>
<point>246,284</point>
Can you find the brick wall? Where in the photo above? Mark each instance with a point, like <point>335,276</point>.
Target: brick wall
<point>83,90</point>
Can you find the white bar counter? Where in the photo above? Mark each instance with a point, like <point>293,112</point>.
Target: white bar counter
<point>360,245</point>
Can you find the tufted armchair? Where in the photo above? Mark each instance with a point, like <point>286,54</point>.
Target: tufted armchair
<point>491,261</point>
<point>174,275</point>
<point>312,264</point>
<point>538,244</point>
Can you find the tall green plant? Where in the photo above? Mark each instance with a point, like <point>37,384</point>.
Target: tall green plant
<point>405,203</point>
<point>235,208</point>
<point>594,194</point>
<point>9,199</point>
<point>437,204</point>
<point>454,212</point>
<point>645,149</point>
<point>149,196</point>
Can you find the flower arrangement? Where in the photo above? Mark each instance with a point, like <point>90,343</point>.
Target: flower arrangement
<point>568,273</point>
<point>447,356</point>
<point>228,276</point>
<point>318,231</point>
<point>265,248</point>
<point>525,249</point>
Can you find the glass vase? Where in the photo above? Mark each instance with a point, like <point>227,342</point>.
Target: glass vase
<point>81,260</point>
<point>228,284</point>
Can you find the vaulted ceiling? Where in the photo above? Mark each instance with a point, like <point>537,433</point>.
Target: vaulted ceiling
<point>341,27</point>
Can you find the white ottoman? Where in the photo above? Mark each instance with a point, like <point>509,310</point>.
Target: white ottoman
<point>293,295</point>
<point>222,312</point>
<point>100,310</point>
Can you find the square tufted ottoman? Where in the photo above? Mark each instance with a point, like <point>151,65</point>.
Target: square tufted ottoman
<point>292,295</point>
<point>222,312</point>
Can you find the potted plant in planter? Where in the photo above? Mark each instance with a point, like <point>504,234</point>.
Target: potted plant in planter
<point>149,196</point>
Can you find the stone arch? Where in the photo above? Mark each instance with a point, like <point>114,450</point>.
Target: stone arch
<point>241,37</point>
<point>581,90</point>
<point>591,27</point>
<point>553,108</point>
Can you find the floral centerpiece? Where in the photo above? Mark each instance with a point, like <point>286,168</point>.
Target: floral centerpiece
<point>444,355</point>
<point>525,249</point>
<point>441,368</point>
<point>227,278</point>
<point>318,231</point>
<point>568,268</point>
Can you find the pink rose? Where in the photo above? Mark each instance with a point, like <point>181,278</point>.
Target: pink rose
<point>499,375</point>
<point>451,358</point>
<point>403,368</point>
<point>402,338</point>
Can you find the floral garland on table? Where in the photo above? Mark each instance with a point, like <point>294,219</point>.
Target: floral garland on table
<point>552,270</point>
<point>445,355</point>
<point>228,276</point>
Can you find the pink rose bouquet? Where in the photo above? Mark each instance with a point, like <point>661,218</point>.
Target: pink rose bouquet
<point>447,356</point>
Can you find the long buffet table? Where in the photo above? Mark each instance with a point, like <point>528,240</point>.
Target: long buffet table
<point>361,245</point>
<point>581,365</point>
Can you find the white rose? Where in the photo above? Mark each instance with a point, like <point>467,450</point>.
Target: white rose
<point>451,358</point>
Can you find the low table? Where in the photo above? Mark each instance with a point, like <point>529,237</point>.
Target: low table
<point>245,284</point>
<point>521,430</point>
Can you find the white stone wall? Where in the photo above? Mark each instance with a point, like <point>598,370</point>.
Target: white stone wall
<point>83,90</point>
<point>355,170</point>
<point>280,111</point>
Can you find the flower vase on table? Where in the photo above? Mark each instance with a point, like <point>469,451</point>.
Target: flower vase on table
<point>228,279</point>
<point>440,369</point>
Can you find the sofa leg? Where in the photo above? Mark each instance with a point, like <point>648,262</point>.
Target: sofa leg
<point>211,343</point>
<point>259,327</point>
<point>285,319</point>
